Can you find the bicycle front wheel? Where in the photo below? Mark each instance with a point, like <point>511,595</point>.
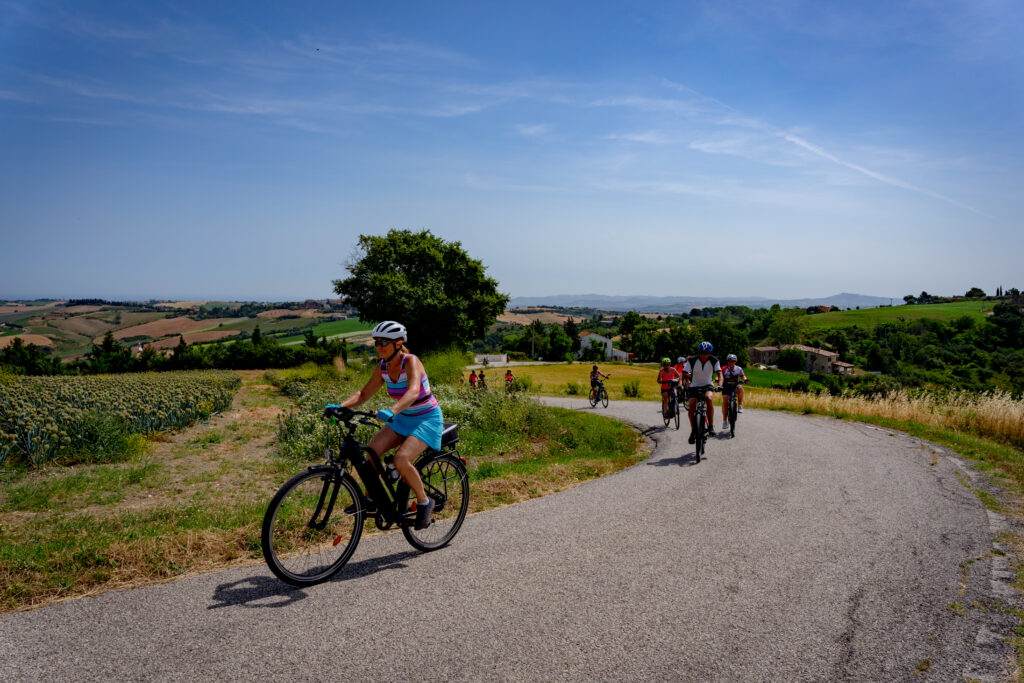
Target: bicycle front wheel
<point>604,398</point>
<point>312,526</point>
<point>732,420</point>
<point>593,398</point>
<point>677,416</point>
<point>446,481</point>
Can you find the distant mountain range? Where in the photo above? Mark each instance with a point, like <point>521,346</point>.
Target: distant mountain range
<point>684,304</point>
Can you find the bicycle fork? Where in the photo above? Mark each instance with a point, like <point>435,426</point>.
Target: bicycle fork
<point>313,523</point>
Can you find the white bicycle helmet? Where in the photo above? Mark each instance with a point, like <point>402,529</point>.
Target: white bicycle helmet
<point>389,329</point>
<point>731,356</point>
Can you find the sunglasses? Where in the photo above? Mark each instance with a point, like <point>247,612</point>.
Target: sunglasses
<point>382,342</point>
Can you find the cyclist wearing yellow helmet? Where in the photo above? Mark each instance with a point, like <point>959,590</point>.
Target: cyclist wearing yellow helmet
<point>665,377</point>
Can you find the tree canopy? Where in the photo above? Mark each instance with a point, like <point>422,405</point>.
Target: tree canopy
<point>433,287</point>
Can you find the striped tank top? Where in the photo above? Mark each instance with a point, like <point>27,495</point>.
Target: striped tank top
<point>396,390</point>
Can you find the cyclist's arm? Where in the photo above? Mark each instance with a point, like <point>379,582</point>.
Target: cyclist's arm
<point>371,387</point>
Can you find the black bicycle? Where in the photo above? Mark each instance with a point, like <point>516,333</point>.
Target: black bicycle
<point>598,394</point>
<point>314,522</point>
<point>673,403</point>
<point>732,413</point>
<point>701,418</point>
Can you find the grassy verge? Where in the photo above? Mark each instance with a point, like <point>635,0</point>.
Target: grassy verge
<point>195,500</point>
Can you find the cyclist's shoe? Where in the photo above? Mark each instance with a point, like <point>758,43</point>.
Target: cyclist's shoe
<point>423,511</point>
<point>693,438</point>
<point>369,508</point>
<point>711,430</point>
<point>739,409</point>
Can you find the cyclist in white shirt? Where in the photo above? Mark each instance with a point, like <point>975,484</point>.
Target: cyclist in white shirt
<point>705,373</point>
<point>732,380</point>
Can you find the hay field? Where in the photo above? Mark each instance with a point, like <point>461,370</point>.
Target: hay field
<point>167,326</point>
<point>192,338</point>
<point>545,317</point>
<point>37,339</point>
<point>78,310</point>
<point>87,327</point>
<point>281,312</point>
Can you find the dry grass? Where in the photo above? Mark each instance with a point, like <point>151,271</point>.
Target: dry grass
<point>192,338</point>
<point>37,339</point>
<point>282,312</point>
<point>166,326</point>
<point>994,416</point>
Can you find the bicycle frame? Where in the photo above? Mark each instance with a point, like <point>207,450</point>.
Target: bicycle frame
<point>370,468</point>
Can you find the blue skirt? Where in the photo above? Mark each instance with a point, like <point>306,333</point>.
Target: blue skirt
<point>427,427</point>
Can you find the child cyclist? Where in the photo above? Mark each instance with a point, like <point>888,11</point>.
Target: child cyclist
<point>732,379</point>
<point>414,420</point>
<point>666,376</point>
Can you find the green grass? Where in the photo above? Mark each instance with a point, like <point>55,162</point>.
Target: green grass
<point>328,329</point>
<point>870,317</point>
<point>100,485</point>
<point>555,379</point>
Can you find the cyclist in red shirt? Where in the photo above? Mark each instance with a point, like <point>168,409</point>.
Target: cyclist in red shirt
<point>665,377</point>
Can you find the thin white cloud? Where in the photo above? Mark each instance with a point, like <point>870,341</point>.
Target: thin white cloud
<point>814,149</point>
<point>471,180</point>
<point>11,96</point>
<point>650,137</point>
<point>533,130</point>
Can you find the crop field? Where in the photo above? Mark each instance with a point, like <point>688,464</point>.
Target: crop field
<point>329,329</point>
<point>554,380</point>
<point>870,317</point>
<point>168,326</point>
<point>44,418</point>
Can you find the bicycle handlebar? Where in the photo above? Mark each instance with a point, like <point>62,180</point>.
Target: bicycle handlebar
<point>346,414</point>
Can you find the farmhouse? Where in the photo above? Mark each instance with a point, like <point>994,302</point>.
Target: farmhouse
<point>815,360</point>
<point>588,338</point>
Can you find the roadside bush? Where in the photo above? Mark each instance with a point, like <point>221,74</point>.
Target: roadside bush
<point>522,384</point>
<point>445,367</point>
<point>573,388</point>
<point>632,389</point>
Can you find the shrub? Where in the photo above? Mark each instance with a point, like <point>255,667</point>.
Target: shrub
<point>632,389</point>
<point>573,388</point>
<point>445,367</point>
<point>103,437</point>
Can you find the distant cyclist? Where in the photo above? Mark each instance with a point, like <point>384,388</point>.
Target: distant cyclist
<point>732,380</point>
<point>595,380</point>
<point>705,373</point>
<point>666,376</point>
<point>680,367</point>
<point>509,378</point>
<point>472,379</point>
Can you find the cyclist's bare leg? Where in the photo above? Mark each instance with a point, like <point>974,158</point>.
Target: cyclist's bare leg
<point>383,441</point>
<point>710,397</point>
<point>405,456</point>
<point>725,408</point>
<point>739,395</point>
<point>664,401</point>
<point>690,411</point>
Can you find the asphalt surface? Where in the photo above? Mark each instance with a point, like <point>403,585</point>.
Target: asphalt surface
<point>804,549</point>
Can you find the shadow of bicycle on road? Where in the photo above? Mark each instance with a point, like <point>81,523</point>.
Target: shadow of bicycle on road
<point>684,460</point>
<point>262,591</point>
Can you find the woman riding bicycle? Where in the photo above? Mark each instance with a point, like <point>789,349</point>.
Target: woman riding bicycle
<point>666,376</point>
<point>414,422</point>
<point>732,380</point>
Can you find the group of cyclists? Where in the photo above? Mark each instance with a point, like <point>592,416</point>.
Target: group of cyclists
<point>701,374</point>
<point>477,380</point>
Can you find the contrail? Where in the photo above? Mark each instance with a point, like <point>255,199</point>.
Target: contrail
<point>814,149</point>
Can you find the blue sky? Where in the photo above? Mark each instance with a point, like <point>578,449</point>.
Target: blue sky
<point>784,149</point>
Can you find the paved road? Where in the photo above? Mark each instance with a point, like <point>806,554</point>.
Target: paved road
<point>805,549</point>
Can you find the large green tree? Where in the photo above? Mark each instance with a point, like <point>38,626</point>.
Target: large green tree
<point>431,286</point>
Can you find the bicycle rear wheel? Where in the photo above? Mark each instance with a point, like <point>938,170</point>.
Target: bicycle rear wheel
<point>308,535</point>
<point>446,481</point>
<point>604,397</point>
<point>699,451</point>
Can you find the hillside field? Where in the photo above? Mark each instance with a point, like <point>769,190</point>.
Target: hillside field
<point>553,380</point>
<point>870,317</point>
